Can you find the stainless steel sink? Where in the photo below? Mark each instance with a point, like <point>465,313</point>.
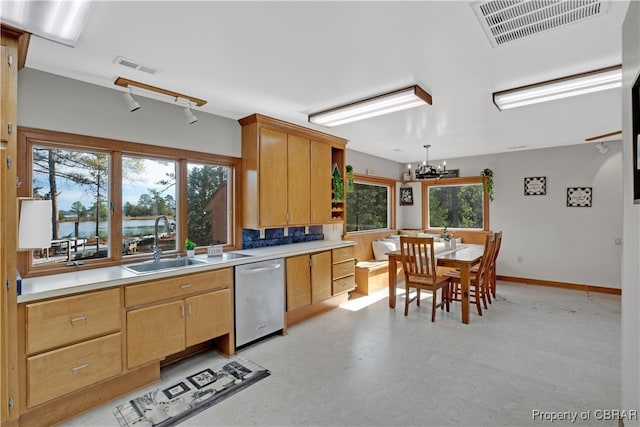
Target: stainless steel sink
<point>164,264</point>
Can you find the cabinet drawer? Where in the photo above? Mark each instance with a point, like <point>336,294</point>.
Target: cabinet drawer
<point>342,254</point>
<point>343,269</point>
<point>176,287</point>
<point>62,371</point>
<point>344,284</point>
<point>71,319</point>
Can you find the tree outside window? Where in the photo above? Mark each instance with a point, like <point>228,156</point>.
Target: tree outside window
<point>456,206</point>
<point>368,207</point>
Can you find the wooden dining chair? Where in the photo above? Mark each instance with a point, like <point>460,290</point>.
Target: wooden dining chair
<point>478,280</point>
<point>420,273</point>
<point>494,259</point>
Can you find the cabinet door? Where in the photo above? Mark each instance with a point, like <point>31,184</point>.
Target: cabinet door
<point>320,276</point>
<point>273,178</point>
<point>298,180</point>
<point>298,282</point>
<point>154,332</point>
<point>207,316</point>
<point>320,183</point>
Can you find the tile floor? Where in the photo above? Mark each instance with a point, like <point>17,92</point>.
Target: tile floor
<point>535,349</point>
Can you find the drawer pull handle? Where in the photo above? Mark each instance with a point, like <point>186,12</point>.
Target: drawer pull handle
<point>188,285</point>
<point>189,309</point>
<point>77,319</point>
<point>77,368</point>
<point>182,312</point>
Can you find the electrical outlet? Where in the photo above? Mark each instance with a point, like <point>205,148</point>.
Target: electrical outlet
<point>520,259</point>
<point>262,234</point>
<point>285,232</point>
<point>306,229</point>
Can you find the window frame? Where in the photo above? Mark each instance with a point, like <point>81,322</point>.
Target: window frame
<point>470,180</point>
<point>391,208</point>
<point>28,137</point>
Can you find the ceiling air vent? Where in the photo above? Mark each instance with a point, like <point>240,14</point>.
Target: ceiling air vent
<point>504,21</point>
<point>135,65</point>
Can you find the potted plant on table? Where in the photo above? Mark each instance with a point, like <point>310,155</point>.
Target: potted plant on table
<point>190,247</point>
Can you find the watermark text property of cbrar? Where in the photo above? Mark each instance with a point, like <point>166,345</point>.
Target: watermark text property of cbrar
<point>591,414</point>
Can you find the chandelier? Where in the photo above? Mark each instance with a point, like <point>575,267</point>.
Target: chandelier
<point>426,171</point>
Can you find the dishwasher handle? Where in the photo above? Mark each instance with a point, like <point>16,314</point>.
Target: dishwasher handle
<point>257,270</point>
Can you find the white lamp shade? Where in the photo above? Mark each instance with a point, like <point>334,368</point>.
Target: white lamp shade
<point>34,228</point>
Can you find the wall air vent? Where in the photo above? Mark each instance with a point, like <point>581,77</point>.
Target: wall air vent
<point>135,65</point>
<point>504,21</point>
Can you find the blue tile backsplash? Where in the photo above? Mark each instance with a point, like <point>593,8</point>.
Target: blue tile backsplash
<point>275,236</point>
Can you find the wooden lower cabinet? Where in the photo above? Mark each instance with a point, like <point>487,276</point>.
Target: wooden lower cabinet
<point>71,368</point>
<point>343,270</point>
<point>159,330</point>
<point>298,279</point>
<point>208,316</point>
<point>71,319</point>
<point>308,279</point>
<point>320,276</point>
<point>154,332</point>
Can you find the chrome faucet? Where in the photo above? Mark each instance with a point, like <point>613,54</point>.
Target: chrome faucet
<point>157,252</point>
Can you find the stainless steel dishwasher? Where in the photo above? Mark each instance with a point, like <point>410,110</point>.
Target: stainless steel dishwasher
<point>259,300</point>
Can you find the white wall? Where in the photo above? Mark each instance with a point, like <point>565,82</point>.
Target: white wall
<point>556,243</point>
<point>366,164</point>
<point>47,101</point>
<point>630,264</point>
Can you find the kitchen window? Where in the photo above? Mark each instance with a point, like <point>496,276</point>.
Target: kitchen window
<point>77,183</point>
<point>369,204</point>
<point>107,195</point>
<point>456,203</point>
<point>208,202</point>
<point>148,190</point>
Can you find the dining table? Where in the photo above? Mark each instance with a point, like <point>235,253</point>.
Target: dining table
<point>463,257</point>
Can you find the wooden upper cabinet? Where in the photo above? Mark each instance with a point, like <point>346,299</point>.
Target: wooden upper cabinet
<point>273,177</point>
<point>286,173</point>
<point>299,181</point>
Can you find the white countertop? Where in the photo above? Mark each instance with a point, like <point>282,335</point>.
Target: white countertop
<point>56,285</point>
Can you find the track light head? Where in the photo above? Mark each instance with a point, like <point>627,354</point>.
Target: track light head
<point>191,118</point>
<point>603,148</point>
<point>132,104</point>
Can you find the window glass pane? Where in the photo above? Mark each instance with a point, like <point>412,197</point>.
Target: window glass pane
<point>77,182</point>
<point>456,206</point>
<point>208,201</point>
<point>367,207</point>
<point>148,191</point>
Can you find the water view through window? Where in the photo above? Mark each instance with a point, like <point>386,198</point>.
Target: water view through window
<point>77,183</point>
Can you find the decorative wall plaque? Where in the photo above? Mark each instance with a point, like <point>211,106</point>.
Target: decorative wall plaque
<point>579,197</point>
<point>535,186</point>
<point>406,196</point>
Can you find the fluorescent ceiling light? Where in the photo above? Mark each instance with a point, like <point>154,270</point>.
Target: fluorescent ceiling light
<point>58,21</point>
<point>413,96</point>
<point>577,84</point>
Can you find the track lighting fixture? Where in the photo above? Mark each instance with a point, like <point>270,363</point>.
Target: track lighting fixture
<point>191,118</point>
<point>159,94</point>
<point>132,104</point>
